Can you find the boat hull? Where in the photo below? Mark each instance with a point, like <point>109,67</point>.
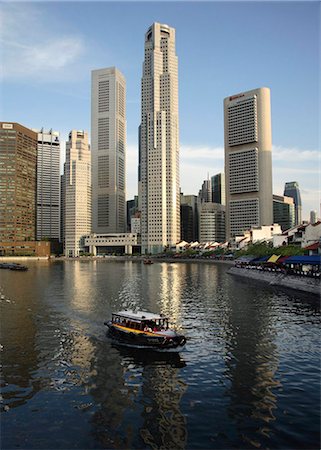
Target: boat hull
<point>145,340</point>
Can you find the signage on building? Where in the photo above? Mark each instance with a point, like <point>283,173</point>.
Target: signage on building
<point>236,96</point>
<point>7,126</point>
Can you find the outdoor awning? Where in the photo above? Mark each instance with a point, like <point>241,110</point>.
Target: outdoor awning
<point>305,259</point>
<point>261,259</point>
<point>273,258</point>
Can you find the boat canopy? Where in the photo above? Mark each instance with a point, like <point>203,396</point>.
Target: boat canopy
<point>139,315</point>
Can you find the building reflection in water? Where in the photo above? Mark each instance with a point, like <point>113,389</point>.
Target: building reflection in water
<point>137,390</point>
<point>251,363</point>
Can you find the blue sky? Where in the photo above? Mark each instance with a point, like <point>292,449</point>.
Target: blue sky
<point>50,48</point>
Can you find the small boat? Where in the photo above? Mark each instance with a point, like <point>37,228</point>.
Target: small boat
<point>148,261</point>
<point>143,329</point>
<point>13,266</point>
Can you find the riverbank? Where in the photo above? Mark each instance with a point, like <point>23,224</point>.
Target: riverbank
<point>302,284</point>
<point>117,258</point>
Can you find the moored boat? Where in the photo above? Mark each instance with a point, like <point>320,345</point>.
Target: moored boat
<point>143,329</point>
<point>148,261</point>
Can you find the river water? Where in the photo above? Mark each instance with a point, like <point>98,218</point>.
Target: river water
<point>248,378</point>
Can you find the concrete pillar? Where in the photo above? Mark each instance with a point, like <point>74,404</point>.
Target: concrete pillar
<point>129,249</point>
<point>93,250</point>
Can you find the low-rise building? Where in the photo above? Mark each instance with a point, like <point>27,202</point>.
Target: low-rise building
<point>110,243</point>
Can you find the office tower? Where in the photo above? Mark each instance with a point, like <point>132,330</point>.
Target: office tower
<point>248,160</point>
<point>212,222</point>
<point>205,193</point>
<point>108,146</point>
<point>291,189</point>
<point>62,206</point>
<point>77,192</point>
<point>48,185</point>
<point>18,182</point>
<point>313,217</point>
<point>189,218</point>
<point>283,211</point>
<point>131,210</point>
<point>159,141</point>
<point>218,188</point>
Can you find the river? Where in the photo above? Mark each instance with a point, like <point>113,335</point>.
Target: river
<point>248,378</point>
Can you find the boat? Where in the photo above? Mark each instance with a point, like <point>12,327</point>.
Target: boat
<point>13,266</point>
<point>148,261</point>
<point>144,329</point>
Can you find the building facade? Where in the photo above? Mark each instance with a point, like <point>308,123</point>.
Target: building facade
<point>205,193</point>
<point>218,188</point>
<point>77,193</point>
<point>189,218</point>
<point>18,183</point>
<point>212,222</point>
<point>159,142</point>
<point>108,146</point>
<point>283,211</point>
<point>48,185</point>
<point>248,160</point>
<point>291,189</point>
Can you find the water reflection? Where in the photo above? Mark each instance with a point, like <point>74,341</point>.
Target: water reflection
<point>138,389</point>
<point>252,361</point>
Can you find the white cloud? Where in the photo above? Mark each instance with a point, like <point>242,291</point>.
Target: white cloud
<point>31,48</point>
<point>294,154</point>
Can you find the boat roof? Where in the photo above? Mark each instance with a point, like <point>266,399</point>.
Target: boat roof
<point>139,315</point>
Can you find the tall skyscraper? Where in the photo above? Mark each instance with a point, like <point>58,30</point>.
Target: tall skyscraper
<point>248,160</point>
<point>189,218</point>
<point>77,192</point>
<point>283,212</point>
<point>212,222</point>
<point>159,141</point>
<point>205,193</point>
<point>48,185</point>
<point>18,181</point>
<point>218,188</point>
<point>291,189</point>
<point>108,146</point>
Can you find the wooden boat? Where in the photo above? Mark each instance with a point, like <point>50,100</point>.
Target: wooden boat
<point>148,261</point>
<point>143,329</point>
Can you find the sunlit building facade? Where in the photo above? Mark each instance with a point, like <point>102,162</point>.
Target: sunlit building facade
<point>18,183</point>
<point>248,160</point>
<point>77,195</point>
<point>159,142</point>
<point>108,146</point>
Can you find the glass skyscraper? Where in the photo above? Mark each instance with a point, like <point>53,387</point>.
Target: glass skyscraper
<point>291,189</point>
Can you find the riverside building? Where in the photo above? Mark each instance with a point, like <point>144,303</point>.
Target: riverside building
<point>248,160</point>
<point>283,212</point>
<point>18,183</point>
<point>77,193</point>
<point>291,189</point>
<point>48,185</point>
<point>212,222</point>
<point>108,146</point>
<point>159,142</point>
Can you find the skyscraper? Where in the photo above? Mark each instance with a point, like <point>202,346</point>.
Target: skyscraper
<point>212,222</point>
<point>159,141</point>
<point>248,160</point>
<point>283,212</point>
<point>77,192</point>
<point>205,193</point>
<point>218,188</point>
<point>291,189</point>
<point>189,218</point>
<point>48,185</point>
<point>108,146</point>
<point>18,181</point>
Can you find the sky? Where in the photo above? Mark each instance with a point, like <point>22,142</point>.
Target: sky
<point>48,50</point>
